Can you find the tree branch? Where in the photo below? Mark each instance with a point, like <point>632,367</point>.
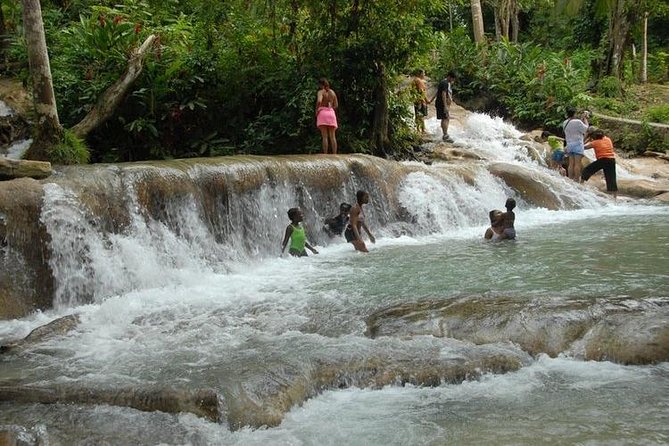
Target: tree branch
<point>111,99</point>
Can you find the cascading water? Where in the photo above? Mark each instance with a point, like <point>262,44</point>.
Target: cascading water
<point>434,337</point>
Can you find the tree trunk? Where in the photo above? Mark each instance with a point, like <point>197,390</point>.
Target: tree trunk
<point>515,21</point>
<point>502,10</point>
<point>380,140</point>
<point>114,95</point>
<point>48,129</point>
<point>477,21</point>
<point>619,25</point>
<point>644,50</point>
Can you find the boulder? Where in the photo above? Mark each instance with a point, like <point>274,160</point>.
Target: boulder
<point>532,189</point>
<point>10,169</point>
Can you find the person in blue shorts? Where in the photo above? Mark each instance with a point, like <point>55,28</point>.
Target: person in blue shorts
<point>575,127</point>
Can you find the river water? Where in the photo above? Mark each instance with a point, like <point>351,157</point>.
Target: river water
<point>256,321</point>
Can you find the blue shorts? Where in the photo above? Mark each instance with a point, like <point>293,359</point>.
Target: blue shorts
<point>575,148</point>
<point>558,156</point>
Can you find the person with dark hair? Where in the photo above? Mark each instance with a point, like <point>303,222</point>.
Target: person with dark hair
<point>296,234</point>
<point>574,132</point>
<point>444,99</point>
<point>420,103</point>
<point>326,118</point>
<point>353,231</point>
<point>508,219</point>
<point>606,160</point>
<point>335,226</point>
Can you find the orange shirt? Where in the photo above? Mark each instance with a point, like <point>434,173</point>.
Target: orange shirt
<point>603,147</point>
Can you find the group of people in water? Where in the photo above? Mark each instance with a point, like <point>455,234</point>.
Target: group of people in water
<point>350,222</point>
<point>567,154</point>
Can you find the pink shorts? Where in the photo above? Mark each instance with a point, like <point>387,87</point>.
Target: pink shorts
<point>326,117</point>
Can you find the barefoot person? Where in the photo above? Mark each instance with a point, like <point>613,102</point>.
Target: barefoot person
<point>326,118</point>
<point>443,99</point>
<point>606,160</point>
<point>574,133</point>
<point>420,104</point>
<point>296,234</point>
<point>353,232</point>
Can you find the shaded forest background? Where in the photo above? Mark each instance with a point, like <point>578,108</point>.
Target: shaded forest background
<point>240,76</point>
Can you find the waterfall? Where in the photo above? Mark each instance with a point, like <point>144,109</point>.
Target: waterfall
<point>116,228</point>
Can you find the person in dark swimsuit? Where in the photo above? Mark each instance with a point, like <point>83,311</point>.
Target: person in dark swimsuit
<point>353,230</point>
<point>335,226</point>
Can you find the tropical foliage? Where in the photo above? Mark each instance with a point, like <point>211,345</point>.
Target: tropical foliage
<point>240,77</point>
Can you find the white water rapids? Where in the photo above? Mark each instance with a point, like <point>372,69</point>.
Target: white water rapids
<point>164,305</point>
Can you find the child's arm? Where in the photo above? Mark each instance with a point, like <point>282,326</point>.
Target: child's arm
<point>369,233</point>
<point>289,232</point>
<point>311,248</point>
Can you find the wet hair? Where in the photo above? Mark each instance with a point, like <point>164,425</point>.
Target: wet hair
<point>359,195</point>
<point>345,207</point>
<point>324,82</point>
<point>571,111</point>
<point>292,213</point>
<point>510,204</point>
<point>493,215</point>
<point>545,134</point>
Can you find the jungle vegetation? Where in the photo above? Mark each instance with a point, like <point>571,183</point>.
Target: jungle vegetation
<point>160,79</point>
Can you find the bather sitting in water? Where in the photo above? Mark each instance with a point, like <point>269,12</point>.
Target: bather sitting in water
<point>496,230</point>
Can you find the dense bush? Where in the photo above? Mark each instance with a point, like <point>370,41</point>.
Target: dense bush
<point>659,113</point>
<point>532,85</point>
<point>71,150</point>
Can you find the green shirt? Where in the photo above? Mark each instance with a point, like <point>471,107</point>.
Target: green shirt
<point>554,142</point>
<point>298,238</point>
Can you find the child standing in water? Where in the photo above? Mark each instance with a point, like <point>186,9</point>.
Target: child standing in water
<point>357,223</point>
<point>296,234</point>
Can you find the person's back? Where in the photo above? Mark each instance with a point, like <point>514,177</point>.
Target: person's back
<point>327,98</point>
<point>508,219</point>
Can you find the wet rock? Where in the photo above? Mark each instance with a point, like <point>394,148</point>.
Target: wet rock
<point>641,188</point>
<point>13,128</point>
<point>264,400</point>
<point>532,189</point>
<point>26,283</point>
<point>201,402</point>
<point>625,339</point>
<point>613,331</point>
<point>13,435</point>
<point>10,169</point>
<point>54,328</point>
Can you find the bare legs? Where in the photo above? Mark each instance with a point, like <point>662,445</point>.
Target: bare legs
<point>328,139</point>
<point>575,166</point>
<point>444,129</point>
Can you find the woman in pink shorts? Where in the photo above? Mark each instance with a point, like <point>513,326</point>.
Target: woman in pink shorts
<point>326,119</point>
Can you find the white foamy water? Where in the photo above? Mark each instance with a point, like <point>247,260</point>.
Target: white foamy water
<point>165,302</point>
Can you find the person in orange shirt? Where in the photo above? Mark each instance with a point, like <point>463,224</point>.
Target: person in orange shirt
<point>606,160</point>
